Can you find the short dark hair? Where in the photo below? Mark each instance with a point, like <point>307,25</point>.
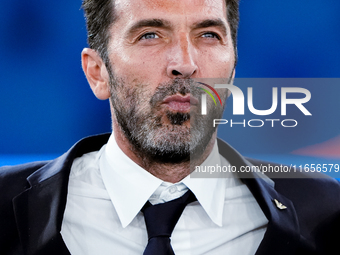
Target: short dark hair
<point>233,16</point>
<point>100,15</point>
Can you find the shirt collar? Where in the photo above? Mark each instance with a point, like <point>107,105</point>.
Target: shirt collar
<point>128,185</point>
<point>210,192</point>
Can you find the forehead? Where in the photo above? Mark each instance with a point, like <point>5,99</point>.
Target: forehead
<point>130,10</point>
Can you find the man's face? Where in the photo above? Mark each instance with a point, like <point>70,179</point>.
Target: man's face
<point>157,48</point>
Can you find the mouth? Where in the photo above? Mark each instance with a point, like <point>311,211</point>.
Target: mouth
<point>179,103</point>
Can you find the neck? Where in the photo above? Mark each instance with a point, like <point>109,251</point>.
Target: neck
<point>168,172</point>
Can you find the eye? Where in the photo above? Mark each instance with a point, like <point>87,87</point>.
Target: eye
<point>211,35</point>
<point>149,36</point>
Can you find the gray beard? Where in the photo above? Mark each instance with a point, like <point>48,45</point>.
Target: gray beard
<point>151,139</point>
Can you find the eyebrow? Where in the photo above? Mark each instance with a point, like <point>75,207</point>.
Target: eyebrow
<point>160,23</point>
<point>211,23</point>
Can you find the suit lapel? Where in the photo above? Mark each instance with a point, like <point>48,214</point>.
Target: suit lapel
<point>40,209</point>
<point>282,235</point>
<point>39,212</point>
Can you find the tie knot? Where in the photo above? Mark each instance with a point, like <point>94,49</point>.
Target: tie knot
<point>161,219</point>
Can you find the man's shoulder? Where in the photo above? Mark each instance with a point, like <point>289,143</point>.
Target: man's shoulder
<point>13,181</point>
<point>316,200</point>
<point>21,169</point>
<point>18,174</point>
<point>15,177</point>
<point>300,182</point>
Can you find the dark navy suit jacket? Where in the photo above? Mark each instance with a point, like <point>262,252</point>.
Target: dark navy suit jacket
<point>33,199</point>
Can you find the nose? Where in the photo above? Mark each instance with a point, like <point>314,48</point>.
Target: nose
<point>182,60</point>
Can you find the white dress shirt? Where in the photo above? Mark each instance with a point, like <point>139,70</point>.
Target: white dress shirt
<point>107,191</point>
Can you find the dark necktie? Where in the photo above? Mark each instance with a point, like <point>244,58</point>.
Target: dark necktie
<point>161,220</point>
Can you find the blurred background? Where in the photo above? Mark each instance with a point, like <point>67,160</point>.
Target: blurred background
<point>46,104</point>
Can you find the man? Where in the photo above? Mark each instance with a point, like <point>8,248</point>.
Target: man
<point>97,198</point>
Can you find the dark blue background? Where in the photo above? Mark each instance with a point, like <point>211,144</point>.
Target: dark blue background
<point>46,104</point>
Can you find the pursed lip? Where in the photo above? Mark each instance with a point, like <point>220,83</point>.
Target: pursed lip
<point>180,103</point>
<point>181,99</point>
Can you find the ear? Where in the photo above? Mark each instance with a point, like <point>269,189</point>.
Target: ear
<point>232,80</point>
<point>96,73</point>
<point>234,73</point>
